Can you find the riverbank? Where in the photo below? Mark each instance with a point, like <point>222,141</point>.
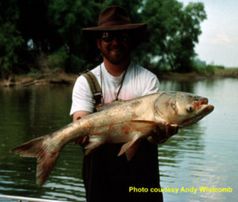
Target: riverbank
<point>62,78</point>
<point>216,73</point>
<point>25,80</point>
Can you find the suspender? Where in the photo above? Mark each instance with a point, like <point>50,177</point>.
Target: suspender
<point>94,87</point>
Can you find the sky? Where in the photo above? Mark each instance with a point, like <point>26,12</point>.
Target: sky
<point>218,43</point>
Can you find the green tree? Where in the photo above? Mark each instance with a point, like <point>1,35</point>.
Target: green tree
<point>10,38</point>
<point>174,32</point>
<point>49,33</point>
<point>38,33</point>
<point>68,19</point>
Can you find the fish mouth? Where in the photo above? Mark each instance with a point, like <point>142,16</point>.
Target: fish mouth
<point>202,110</point>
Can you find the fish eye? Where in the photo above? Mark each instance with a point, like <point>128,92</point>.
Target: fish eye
<point>173,105</point>
<point>189,109</point>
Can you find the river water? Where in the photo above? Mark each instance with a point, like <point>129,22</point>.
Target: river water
<point>198,164</point>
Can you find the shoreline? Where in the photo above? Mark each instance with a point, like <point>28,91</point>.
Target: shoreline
<point>62,78</point>
<point>59,78</point>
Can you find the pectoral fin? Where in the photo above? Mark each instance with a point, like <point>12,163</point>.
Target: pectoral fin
<point>130,147</point>
<point>131,151</point>
<point>94,143</point>
<point>137,130</point>
<point>140,127</point>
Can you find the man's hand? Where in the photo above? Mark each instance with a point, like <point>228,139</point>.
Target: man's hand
<point>162,134</point>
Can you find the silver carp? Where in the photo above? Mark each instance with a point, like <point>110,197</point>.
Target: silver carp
<point>127,122</point>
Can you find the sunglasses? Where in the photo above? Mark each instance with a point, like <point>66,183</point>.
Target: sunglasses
<point>110,36</point>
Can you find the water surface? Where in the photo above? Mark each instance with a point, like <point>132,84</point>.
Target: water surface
<point>204,154</point>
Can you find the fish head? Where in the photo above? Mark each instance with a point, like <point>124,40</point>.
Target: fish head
<point>180,108</point>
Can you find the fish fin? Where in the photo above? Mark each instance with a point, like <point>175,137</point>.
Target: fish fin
<point>30,148</point>
<point>45,159</point>
<point>142,127</point>
<point>138,129</point>
<point>124,148</point>
<point>145,127</point>
<point>45,164</point>
<point>92,146</point>
<point>130,148</point>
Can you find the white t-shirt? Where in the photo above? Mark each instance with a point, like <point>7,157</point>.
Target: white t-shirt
<point>138,81</point>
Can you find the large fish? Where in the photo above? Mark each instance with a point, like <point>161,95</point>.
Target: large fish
<point>127,122</point>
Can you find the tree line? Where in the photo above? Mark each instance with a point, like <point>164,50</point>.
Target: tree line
<point>47,34</point>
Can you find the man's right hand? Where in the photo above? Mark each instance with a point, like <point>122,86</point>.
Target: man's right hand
<point>163,133</point>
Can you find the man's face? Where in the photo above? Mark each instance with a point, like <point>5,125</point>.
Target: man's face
<point>115,46</point>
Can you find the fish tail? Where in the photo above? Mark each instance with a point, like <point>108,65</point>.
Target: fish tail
<point>30,148</point>
<point>46,158</point>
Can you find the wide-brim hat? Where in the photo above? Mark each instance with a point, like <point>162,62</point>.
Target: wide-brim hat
<point>115,18</point>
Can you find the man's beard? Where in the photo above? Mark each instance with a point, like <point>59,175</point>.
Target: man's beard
<point>116,55</point>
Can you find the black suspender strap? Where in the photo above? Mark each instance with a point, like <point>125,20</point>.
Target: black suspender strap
<point>94,87</point>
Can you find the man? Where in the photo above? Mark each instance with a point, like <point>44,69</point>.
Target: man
<point>108,177</point>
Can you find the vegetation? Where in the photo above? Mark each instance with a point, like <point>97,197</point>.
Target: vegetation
<point>46,34</point>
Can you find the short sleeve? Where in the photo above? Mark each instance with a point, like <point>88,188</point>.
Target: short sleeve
<point>151,83</point>
<point>82,99</point>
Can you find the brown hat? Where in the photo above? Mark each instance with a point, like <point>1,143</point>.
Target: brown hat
<point>115,18</point>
